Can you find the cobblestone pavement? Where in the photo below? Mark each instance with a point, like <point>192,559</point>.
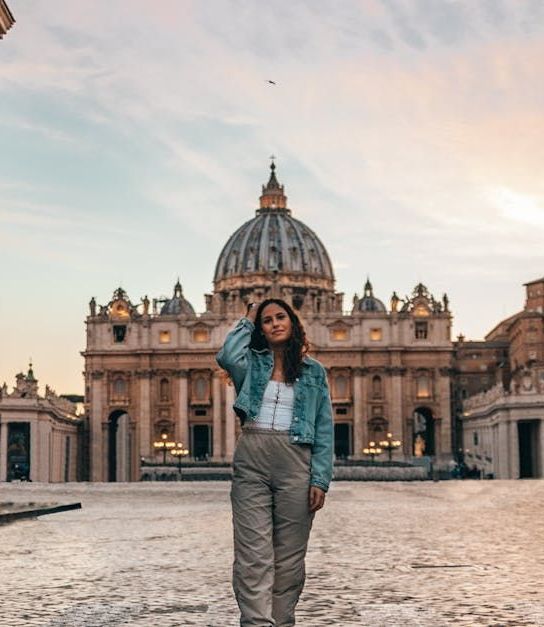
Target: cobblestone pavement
<point>381,554</point>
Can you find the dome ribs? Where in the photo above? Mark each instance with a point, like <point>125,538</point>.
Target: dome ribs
<point>274,253</point>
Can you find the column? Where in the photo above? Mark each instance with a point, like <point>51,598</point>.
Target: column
<point>358,412</point>
<point>539,455</point>
<point>502,461</point>
<point>96,448</point>
<point>35,456</point>
<point>3,450</point>
<point>514,450</point>
<point>183,408</point>
<point>395,422</point>
<point>230,423</point>
<point>216,399</point>
<point>144,383</point>
<point>444,399</point>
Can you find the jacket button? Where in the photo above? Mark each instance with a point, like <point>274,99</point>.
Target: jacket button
<point>295,438</point>
<point>295,418</point>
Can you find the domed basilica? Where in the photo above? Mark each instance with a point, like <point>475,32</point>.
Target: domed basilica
<point>151,375</point>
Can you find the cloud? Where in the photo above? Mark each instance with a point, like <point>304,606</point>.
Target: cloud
<point>409,135</point>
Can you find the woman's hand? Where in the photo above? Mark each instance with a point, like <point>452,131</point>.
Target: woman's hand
<point>251,312</point>
<point>317,498</point>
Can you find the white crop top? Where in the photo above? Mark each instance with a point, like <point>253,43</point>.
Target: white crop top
<point>277,407</point>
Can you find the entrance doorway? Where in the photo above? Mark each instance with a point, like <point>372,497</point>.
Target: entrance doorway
<point>119,446</point>
<point>423,440</point>
<point>18,451</point>
<point>201,442</point>
<point>342,440</point>
<point>528,438</point>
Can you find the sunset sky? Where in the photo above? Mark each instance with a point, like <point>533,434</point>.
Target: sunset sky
<point>135,136</point>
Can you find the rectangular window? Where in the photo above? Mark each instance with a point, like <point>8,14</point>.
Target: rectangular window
<point>421,330</point>
<point>423,387</point>
<point>201,335</point>
<point>119,332</point>
<point>375,335</point>
<point>201,412</point>
<point>339,335</point>
<point>164,337</point>
<point>341,411</point>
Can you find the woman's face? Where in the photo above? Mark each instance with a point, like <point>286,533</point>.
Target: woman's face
<point>276,325</point>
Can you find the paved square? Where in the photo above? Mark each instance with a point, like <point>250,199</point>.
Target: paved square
<point>381,554</point>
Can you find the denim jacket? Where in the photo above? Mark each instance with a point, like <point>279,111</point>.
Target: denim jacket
<point>312,424</point>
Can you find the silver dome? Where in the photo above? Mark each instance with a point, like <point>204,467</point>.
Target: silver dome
<point>273,241</point>
<point>369,302</point>
<point>177,304</point>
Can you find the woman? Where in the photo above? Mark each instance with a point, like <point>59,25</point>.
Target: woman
<point>283,460</point>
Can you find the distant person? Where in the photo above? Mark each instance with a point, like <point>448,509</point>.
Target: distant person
<point>283,460</point>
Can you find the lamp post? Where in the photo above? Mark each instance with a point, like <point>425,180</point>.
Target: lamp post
<point>164,445</point>
<point>372,450</point>
<point>390,445</point>
<point>179,452</point>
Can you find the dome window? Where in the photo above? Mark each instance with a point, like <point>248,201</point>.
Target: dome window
<point>164,337</point>
<point>376,335</point>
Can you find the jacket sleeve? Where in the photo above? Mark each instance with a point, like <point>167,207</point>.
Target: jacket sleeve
<point>233,356</point>
<point>322,450</point>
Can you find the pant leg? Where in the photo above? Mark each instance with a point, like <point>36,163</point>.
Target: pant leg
<point>292,525</point>
<point>251,498</point>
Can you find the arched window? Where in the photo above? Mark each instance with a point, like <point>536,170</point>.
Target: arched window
<point>164,390</point>
<point>376,387</point>
<point>423,386</point>
<point>341,386</point>
<point>119,388</point>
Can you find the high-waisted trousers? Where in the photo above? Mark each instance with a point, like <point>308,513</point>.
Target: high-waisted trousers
<point>272,522</point>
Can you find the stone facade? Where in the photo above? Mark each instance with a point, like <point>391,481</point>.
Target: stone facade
<point>150,367</point>
<point>39,436</point>
<point>6,18</point>
<point>503,425</point>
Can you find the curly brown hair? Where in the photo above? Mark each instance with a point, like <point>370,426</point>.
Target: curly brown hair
<point>296,347</point>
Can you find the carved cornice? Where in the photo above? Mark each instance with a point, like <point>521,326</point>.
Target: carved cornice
<point>359,372</point>
<point>144,374</point>
<point>396,371</point>
<point>181,373</point>
<point>97,374</point>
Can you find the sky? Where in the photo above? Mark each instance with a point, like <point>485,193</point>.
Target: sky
<point>135,136</point>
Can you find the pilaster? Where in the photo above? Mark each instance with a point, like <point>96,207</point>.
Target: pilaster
<point>514,450</point>
<point>3,450</point>
<point>230,423</point>
<point>144,384</point>
<point>97,450</point>
<point>358,411</point>
<point>216,400</point>
<point>182,425</point>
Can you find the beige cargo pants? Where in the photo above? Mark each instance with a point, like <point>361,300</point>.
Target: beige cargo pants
<point>272,522</point>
